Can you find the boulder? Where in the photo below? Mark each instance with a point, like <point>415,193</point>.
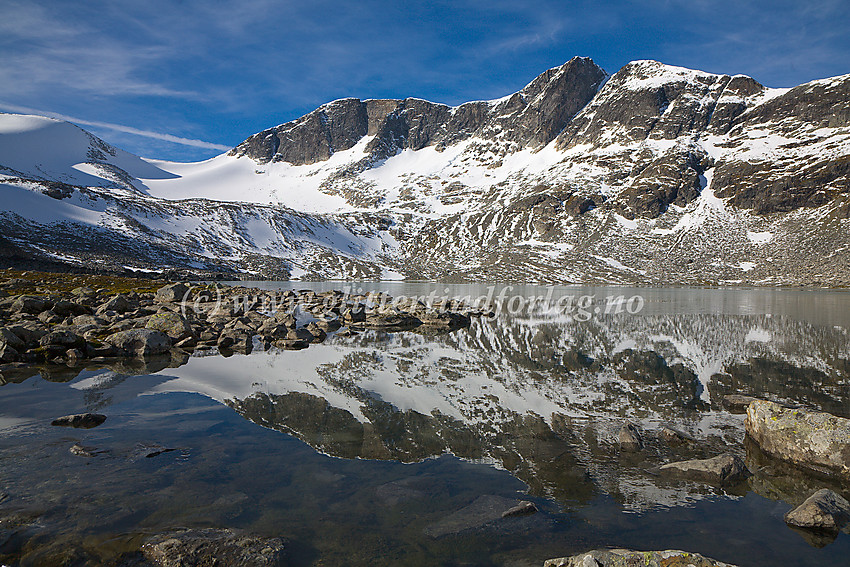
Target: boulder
<point>80,420</point>
<point>524,508</point>
<point>810,439</point>
<point>737,403</point>
<point>66,308</point>
<point>28,331</point>
<point>630,438</point>
<point>823,510</point>
<point>200,547</point>
<point>172,324</point>
<point>64,338</point>
<point>140,342</point>
<point>442,319</point>
<point>319,334</point>
<point>85,292</point>
<point>30,304</point>
<point>724,470</point>
<point>285,318</point>
<point>9,353</point>
<point>171,293</point>
<point>629,558</point>
<point>118,303</point>
<point>8,338</point>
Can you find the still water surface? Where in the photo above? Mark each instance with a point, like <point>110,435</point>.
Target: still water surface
<point>402,448</point>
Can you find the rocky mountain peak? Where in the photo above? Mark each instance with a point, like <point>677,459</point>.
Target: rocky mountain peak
<point>531,117</point>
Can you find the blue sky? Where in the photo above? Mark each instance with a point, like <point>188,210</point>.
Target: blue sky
<point>182,80</point>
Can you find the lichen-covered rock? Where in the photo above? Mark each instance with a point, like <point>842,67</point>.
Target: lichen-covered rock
<point>823,510</point>
<point>723,469</point>
<point>815,440</point>
<point>140,342</point>
<point>213,547</point>
<point>172,324</point>
<point>629,558</point>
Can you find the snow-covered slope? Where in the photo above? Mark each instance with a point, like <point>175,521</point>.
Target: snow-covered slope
<point>656,174</point>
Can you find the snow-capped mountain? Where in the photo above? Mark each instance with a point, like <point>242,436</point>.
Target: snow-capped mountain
<point>656,174</point>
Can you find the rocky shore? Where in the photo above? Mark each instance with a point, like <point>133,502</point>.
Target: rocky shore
<point>65,319</point>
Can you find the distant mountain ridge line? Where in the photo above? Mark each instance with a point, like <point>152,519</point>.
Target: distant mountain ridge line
<point>653,175</point>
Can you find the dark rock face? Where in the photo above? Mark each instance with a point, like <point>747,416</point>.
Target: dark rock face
<point>672,178</point>
<point>531,117</point>
<point>190,548</point>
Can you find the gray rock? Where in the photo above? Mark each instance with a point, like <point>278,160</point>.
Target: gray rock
<point>66,308</point>
<point>28,331</point>
<point>119,304</point>
<point>8,338</point>
<point>319,334</point>
<point>172,324</point>
<point>30,304</point>
<point>630,438</point>
<point>171,293</point>
<point>64,338</point>
<point>815,440</point>
<point>737,403</point>
<point>213,547</point>
<point>823,510</point>
<point>83,451</point>
<point>723,469</point>
<point>629,558</point>
<point>140,342</point>
<point>524,508</point>
<point>675,437</point>
<point>80,420</point>
<point>8,353</point>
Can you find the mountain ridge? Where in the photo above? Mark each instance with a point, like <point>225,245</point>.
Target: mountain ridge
<point>655,174</point>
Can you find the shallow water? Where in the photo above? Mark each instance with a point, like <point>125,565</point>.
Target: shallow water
<point>402,448</point>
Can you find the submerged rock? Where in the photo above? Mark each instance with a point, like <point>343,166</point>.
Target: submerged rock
<point>815,440</point>
<point>80,420</point>
<point>823,510</point>
<point>723,469</point>
<point>629,558</point>
<point>524,508</point>
<point>212,547</point>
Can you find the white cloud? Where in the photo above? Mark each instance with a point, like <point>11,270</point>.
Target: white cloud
<point>119,128</point>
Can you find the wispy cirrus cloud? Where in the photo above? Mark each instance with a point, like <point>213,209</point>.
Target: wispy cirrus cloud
<point>117,127</point>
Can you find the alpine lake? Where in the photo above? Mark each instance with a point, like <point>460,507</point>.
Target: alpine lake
<point>404,448</point>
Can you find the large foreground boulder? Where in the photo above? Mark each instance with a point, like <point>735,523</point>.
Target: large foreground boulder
<point>629,558</point>
<point>814,440</point>
<point>212,547</point>
<point>140,342</point>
